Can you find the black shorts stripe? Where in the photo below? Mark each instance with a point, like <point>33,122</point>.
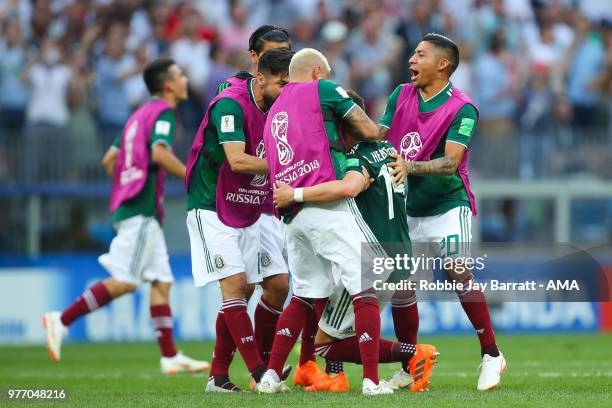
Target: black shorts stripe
<point>343,313</point>
<point>332,317</point>
<point>342,308</point>
<point>337,309</point>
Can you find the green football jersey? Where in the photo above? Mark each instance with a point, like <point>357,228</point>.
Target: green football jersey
<point>382,205</point>
<point>433,195</point>
<point>335,105</point>
<point>203,185</point>
<point>144,203</point>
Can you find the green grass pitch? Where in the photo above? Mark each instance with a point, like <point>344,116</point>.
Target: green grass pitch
<point>565,370</point>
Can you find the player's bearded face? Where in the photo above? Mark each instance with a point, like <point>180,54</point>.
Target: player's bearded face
<point>272,86</point>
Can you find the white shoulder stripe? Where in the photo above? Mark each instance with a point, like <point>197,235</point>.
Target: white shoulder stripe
<point>459,143</point>
<point>350,109</point>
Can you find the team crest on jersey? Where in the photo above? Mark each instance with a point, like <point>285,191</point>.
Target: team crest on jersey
<point>279,128</point>
<point>265,259</point>
<point>219,262</point>
<point>260,179</point>
<point>410,145</point>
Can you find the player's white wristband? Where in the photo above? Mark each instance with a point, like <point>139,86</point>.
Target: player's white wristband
<point>298,195</point>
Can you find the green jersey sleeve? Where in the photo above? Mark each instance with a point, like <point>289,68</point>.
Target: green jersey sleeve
<point>355,159</point>
<point>334,99</point>
<point>117,142</point>
<point>387,116</point>
<point>164,129</point>
<point>222,86</point>
<point>354,163</point>
<point>462,128</point>
<point>228,119</point>
<point>239,75</point>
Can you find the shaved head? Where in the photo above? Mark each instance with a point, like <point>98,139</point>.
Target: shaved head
<point>307,65</point>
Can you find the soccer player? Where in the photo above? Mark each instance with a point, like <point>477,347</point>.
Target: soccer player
<point>336,340</point>
<point>275,283</point>
<point>138,253</point>
<point>430,123</point>
<point>303,148</point>
<point>264,38</point>
<point>226,189</point>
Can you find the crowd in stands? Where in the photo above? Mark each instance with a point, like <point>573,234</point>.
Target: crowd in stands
<point>540,71</point>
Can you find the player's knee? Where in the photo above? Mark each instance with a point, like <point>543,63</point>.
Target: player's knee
<point>323,338</point>
<point>129,287</point>
<point>241,290</point>
<point>276,290</point>
<point>249,290</point>
<point>235,287</point>
<point>161,291</point>
<point>117,288</point>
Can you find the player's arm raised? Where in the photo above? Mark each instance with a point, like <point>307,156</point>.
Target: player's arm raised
<point>241,162</point>
<point>382,132</point>
<point>350,186</point>
<point>164,158</point>
<point>445,165</point>
<point>347,111</point>
<point>361,125</point>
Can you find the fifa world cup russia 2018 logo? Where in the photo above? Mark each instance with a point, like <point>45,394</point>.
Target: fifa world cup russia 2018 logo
<point>410,145</point>
<point>280,125</point>
<point>260,179</point>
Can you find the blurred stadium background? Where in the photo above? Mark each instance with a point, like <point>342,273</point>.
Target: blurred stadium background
<point>70,74</point>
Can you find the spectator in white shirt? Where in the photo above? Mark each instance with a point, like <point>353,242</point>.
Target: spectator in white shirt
<point>47,117</point>
<point>49,79</point>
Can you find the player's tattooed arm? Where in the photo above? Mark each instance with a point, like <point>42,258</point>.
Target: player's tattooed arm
<point>109,160</point>
<point>442,166</point>
<point>361,125</point>
<point>350,186</point>
<point>241,162</point>
<point>383,131</point>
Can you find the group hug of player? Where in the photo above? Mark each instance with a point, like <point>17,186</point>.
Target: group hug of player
<point>285,140</point>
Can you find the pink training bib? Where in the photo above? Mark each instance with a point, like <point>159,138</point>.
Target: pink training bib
<point>416,135</point>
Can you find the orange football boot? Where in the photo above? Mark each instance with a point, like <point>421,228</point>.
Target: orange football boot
<point>308,374</point>
<point>421,365</point>
<point>337,383</point>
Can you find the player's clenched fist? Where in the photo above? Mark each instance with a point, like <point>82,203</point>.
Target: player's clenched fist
<point>399,169</point>
<point>283,195</point>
